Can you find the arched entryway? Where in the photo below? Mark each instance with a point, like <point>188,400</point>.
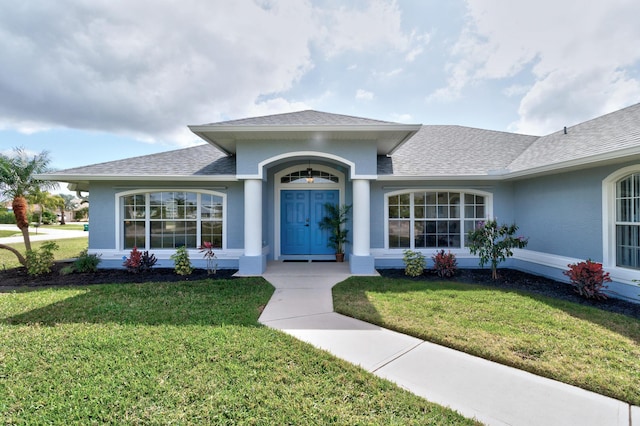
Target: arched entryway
<point>301,192</point>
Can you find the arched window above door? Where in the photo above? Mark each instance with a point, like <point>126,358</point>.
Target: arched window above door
<point>309,175</point>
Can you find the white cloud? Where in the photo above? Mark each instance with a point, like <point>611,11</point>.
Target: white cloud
<point>573,56</point>
<point>146,69</point>
<point>401,118</point>
<point>377,26</point>
<point>516,90</point>
<point>364,95</point>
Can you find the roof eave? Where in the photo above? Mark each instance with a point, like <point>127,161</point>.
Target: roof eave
<point>618,156</point>
<point>394,178</point>
<point>103,177</point>
<point>228,135</point>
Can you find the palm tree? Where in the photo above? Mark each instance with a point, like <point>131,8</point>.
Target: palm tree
<point>65,204</point>
<point>17,182</point>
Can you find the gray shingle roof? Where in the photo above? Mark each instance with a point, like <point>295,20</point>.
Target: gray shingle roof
<point>302,118</point>
<point>455,151</point>
<point>201,160</point>
<point>606,134</point>
<point>434,151</point>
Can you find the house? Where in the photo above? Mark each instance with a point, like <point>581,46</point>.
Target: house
<point>257,187</point>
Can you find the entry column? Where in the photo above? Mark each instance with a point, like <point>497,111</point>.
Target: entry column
<point>361,261</point>
<point>253,262</point>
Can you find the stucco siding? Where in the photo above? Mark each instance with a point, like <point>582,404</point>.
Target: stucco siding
<point>251,153</point>
<point>102,225</point>
<point>562,214</point>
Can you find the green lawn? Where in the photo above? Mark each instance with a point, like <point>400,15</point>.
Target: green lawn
<point>69,248</point>
<point>179,353</point>
<point>583,346</point>
<point>6,233</point>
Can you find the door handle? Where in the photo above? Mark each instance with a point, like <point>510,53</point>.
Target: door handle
<point>307,224</point>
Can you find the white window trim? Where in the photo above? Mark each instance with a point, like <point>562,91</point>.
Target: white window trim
<point>456,250</point>
<point>119,236</point>
<point>618,273</point>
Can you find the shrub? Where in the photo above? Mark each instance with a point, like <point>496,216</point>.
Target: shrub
<point>181,261</point>
<point>40,261</point>
<point>444,264</point>
<point>49,217</point>
<point>588,278</point>
<point>139,261</point>
<point>7,217</point>
<point>86,262</point>
<point>414,263</point>
<point>493,243</point>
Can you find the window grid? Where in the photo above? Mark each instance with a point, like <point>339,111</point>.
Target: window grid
<point>171,219</point>
<point>433,219</point>
<point>628,222</point>
<point>301,176</point>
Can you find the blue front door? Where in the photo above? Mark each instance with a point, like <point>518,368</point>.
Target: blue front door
<point>300,212</point>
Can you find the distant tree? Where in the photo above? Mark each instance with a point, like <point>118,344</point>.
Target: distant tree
<point>65,205</point>
<point>17,182</point>
<point>43,199</point>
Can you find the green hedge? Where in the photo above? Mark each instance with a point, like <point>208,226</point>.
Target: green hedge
<point>7,217</point>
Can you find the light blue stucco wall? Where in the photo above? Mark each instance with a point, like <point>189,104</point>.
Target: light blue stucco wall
<point>562,214</point>
<point>361,153</point>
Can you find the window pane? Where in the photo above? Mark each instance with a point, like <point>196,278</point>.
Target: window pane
<point>212,233</point>
<point>430,198</point>
<point>134,234</point>
<point>469,199</point>
<point>399,233</point>
<point>628,246</point>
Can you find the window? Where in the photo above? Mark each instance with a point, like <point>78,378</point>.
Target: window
<point>433,219</point>
<point>171,219</point>
<point>627,222</point>
<point>309,175</point>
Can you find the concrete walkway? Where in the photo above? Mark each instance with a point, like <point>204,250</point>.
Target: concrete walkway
<point>302,306</point>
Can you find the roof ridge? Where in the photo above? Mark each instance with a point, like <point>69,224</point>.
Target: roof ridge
<point>299,112</point>
<point>504,132</point>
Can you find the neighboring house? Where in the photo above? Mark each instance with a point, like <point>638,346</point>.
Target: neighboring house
<point>256,190</point>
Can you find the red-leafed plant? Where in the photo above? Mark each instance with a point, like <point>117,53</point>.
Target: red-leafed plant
<point>444,264</point>
<point>588,278</point>
<point>139,261</point>
<point>210,256</point>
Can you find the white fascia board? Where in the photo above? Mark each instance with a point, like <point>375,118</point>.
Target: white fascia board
<point>577,163</point>
<point>179,178</point>
<point>394,178</point>
<point>304,128</point>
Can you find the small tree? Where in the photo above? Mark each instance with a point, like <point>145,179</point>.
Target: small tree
<point>17,182</point>
<point>493,243</point>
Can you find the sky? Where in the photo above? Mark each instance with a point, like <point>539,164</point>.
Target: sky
<point>101,80</point>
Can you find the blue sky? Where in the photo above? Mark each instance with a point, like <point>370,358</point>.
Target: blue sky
<point>109,79</point>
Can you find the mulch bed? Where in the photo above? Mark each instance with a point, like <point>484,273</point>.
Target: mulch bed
<point>15,278</point>
<point>18,277</point>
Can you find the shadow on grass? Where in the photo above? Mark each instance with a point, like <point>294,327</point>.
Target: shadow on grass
<point>205,302</point>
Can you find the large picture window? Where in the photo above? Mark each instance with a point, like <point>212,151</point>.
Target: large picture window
<point>628,222</point>
<point>439,219</point>
<point>171,219</point>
